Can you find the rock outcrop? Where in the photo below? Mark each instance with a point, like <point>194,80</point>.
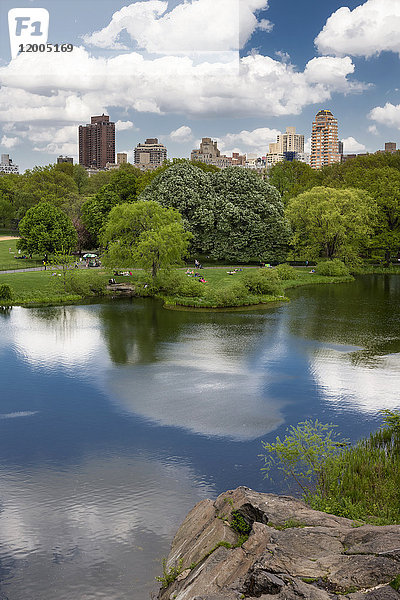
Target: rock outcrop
<point>292,553</point>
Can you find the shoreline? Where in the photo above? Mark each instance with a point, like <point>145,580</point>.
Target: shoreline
<point>179,303</point>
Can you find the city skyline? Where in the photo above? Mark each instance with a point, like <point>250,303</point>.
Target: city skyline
<point>132,61</point>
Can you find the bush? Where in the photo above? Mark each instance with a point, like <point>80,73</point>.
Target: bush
<point>176,283</point>
<point>359,482</point>
<point>85,284</point>
<point>263,282</point>
<point>332,268</point>
<point>232,295</point>
<point>6,292</point>
<point>363,481</point>
<point>286,272</point>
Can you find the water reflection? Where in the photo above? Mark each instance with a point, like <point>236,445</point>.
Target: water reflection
<point>368,386</point>
<point>57,337</point>
<point>191,370</point>
<point>116,418</point>
<point>5,311</point>
<point>74,530</point>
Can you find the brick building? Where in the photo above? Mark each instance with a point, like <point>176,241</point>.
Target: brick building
<point>97,143</point>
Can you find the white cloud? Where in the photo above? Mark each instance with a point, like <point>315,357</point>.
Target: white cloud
<point>369,29</point>
<point>182,134</point>
<point>9,142</point>
<point>87,85</point>
<point>123,125</point>
<point>248,142</point>
<point>55,139</point>
<point>373,129</point>
<point>388,115</point>
<point>265,25</point>
<point>195,26</point>
<point>307,146</point>
<point>329,70</point>
<point>351,145</point>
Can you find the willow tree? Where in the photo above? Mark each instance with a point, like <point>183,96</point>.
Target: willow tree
<point>146,235</point>
<point>332,222</point>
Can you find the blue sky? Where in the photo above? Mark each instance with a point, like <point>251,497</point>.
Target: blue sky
<point>239,71</point>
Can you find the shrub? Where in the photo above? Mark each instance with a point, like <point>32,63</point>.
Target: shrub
<point>262,282</point>
<point>286,272</point>
<point>176,283</point>
<point>239,523</point>
<point>85,284</point>
<point>359,482</point>
<point>332,268</point>
<point>169,574</point>
<point>6,292</point>
<point>232,295</point>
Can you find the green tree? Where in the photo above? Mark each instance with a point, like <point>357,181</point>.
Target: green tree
<point>124,182</point>
<point>249,218</point>
<point>96,182</point>
<point>6,211</point>
<point>46,229</point>
<point>292,178</point>
<point>189,190</point>
<point>332,222</point>
<point>80,177</point>
<point>146,235</point>
<point>44,184</point>
<point>302,454</point>
<point>96,209</point>
<point>383,184</point>
<point>64,167</point>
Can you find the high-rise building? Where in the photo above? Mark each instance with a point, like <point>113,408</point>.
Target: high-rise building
<point>122,158</point>
<point>150,155</point>
<point>324,140</point>
<point>7,166</point>
<point>97,143</point>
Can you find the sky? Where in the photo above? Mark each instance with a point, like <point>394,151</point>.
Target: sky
<point>238,71</point>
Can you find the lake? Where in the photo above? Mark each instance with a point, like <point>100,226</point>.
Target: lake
<point>116,418</point>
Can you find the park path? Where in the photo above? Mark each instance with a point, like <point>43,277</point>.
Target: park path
<point>22,270</point>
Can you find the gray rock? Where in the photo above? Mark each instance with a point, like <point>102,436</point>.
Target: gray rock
<point>292,553</point>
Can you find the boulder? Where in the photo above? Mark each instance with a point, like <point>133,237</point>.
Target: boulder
<point>292,553</point>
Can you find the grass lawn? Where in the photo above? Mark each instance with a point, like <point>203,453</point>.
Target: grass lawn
<point>8,260</point>
<point>47,286</point>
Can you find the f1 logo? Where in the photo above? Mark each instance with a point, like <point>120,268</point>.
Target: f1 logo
<point>27,25</point>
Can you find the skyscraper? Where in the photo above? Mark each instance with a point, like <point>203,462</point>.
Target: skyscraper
<point>324,140</point>
<point>97,143</point>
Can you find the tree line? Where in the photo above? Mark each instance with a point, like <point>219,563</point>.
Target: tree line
<point>347,211</point>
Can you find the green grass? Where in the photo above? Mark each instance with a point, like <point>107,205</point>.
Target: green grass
<point>8,260</point>
<point>43,287</point>
<point>363,482</point>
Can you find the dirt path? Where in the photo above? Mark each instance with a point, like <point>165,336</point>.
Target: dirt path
<point>3,238</point>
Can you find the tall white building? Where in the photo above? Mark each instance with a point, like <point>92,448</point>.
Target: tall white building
<point>285,142</point>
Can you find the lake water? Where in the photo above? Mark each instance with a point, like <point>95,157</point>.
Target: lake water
<point>115,419</point>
